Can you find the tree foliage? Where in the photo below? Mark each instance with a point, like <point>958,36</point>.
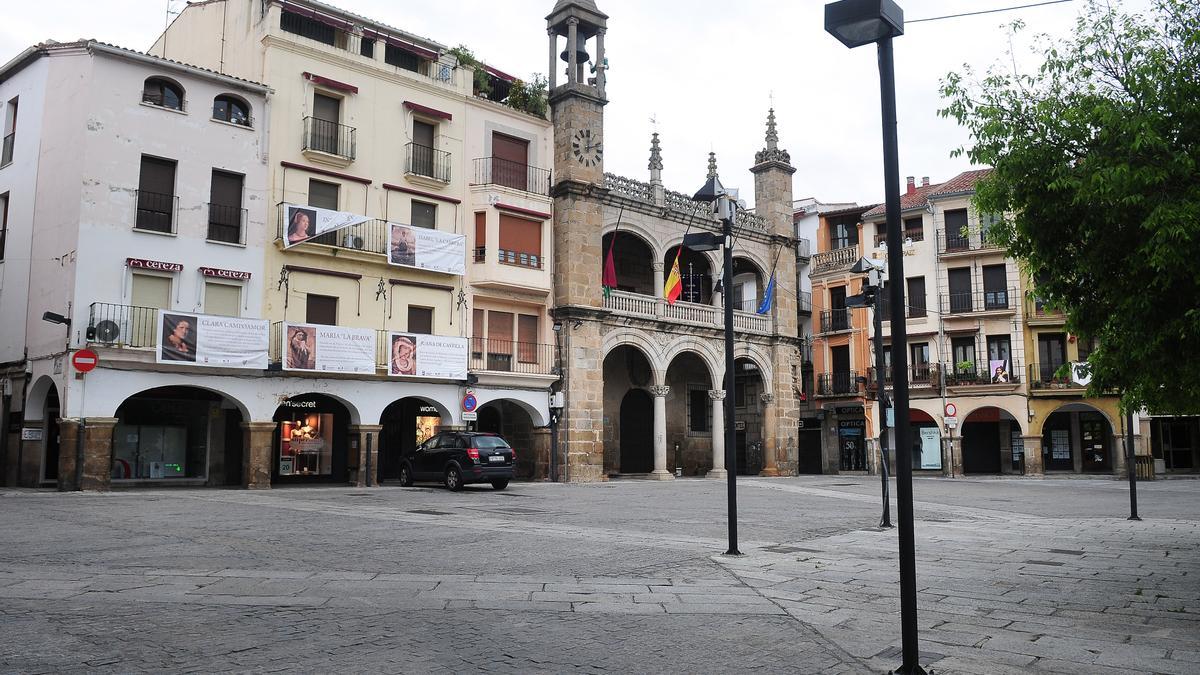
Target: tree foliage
<point>1096,159</point>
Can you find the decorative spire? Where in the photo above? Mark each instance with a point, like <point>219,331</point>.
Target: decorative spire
<point>712,165</point>
<point>772,134</point>
<point>772,153</point>
<point>655,154</point>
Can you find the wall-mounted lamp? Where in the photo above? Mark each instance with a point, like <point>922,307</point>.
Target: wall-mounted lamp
<point>54,317</point>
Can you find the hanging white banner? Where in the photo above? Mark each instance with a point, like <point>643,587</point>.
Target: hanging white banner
<point>416,355</point>
<point>306,222</point>
<point>427,249</point>
<point>214,341</point>
<point>332,349</point>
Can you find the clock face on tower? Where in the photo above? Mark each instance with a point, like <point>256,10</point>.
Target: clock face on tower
<point>587,148</point>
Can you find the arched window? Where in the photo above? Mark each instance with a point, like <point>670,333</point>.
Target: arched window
<point>231,109</point>
<point>161,92</point>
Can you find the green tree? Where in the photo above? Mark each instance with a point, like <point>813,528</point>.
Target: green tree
<point>1096,162</point>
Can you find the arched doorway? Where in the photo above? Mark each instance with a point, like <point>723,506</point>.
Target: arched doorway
<point>312,440</point>
<point>926,441</point>
<point>50,413</point>
<point>1078,438</point>
<point>748,285</point>
<point>626,369</point>
<point>182,434</point>
<point>406,424</point>
<point>512,422</point>
<point>689,415</point>
<point>637,422</point>
<point>987,439</point>
<point>632,260</point>
<point>748,416</point>
<point>695,274</point>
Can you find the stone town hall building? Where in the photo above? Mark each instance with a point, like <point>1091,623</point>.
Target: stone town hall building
<point>643,379</point>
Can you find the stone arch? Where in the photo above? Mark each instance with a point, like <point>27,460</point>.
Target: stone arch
<point>639,340</point>
<point>1074,406</point>
<point>442,409</point>
<point>118,397</point>
<point>760,357</point>
<point>984,438</point>
<point>351,408</point>
<point>535,416</point>
<point>704,349</point>
<point>1017,416</point>
<point>35,400</point>
<point>636,229</point>
<point>633,259</point>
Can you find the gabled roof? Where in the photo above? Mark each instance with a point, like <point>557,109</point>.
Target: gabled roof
<point>916,199</point>
<point>963,183</point>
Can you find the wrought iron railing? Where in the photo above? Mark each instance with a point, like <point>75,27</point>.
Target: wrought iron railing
<point>369,237</point>
<point>843,383</point>
<point>993,300</point>
<point>480,254</point>
<point>981,372</point>
<point>520,259</point>
<point>919,375</point>
<point>833,320</point>
<point>329,137</point>
<point>155,211</point>
<point>804,302</point>
<point>226,224</point>
<point>803,249</point>
<point>423,160</point>
<point>7,156</point>
<point>508,356</point>
<point>963,240</point>
<point>1051,376</point>
<point>122,325</point>
<point>516,175</point>
<point>1036,308</point>
<point>911,310</point>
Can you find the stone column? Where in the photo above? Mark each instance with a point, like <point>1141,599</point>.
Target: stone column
<point>68,448</point>
<point>258,447</point>
<point>539,448</point>
<point>572,32</point>
<point>772,437</point>
<point>951,461</point>
<point>364,432</point>
<point>660,303</point>
<point>553,58</point>
<point>97,453</point>
<point>718,434</point>
<point>1033,456</point>
<point>601,70</point>
<point>660,433</point>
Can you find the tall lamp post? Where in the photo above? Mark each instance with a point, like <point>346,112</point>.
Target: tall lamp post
<point>856,23</point>
<point>725,208</point>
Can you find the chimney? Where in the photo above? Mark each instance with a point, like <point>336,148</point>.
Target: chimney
<point>924,181</point>
<point>912,184</point>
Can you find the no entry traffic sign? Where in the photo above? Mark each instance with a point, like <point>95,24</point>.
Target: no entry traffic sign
<point>84,360</point>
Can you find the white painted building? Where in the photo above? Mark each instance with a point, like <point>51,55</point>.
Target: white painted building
<point>134,183</point>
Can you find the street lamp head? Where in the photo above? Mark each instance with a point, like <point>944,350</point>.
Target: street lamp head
<point>860,22</point>
<point>55,317</point>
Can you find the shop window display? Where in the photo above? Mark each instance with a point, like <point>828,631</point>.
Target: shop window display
<point>306,445</point>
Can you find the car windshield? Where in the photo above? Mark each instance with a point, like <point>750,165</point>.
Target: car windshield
<point>488,442</point>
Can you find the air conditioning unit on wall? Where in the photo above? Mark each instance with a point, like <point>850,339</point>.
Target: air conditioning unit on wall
<point>352,241</point>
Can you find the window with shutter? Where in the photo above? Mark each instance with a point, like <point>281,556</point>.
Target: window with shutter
<point>222,299</point>
<point>520,241</point>
<point>527,330</point>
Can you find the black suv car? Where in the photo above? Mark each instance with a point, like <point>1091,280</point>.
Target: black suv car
<point>460,457</point>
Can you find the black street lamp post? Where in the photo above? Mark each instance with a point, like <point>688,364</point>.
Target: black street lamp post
<point>856,23</point>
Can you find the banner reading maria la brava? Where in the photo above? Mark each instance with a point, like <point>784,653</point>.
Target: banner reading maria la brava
<point>427,356</point>
<point>306,222</point>
<point>427,249</point>
<point>215,341</point>
<point>332,349</point>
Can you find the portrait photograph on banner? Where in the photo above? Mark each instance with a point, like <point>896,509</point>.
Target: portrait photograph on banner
<point>306,222</point>
<point>427,249</point>
<point>436,356</point>
<point>331,349</point>
<point>999,371</point>
<point>214,341</point>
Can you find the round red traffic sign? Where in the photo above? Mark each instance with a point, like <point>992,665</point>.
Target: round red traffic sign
<point>951,410</point>
<point>84,360</point>
<point>469,402</point>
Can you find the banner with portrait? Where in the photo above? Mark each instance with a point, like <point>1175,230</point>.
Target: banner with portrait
<point>330,349</point>
<point>213,341</point>
<point>427,249</point>
<point>998,371</point>
<point>302,223</point>
<point>416,355</point>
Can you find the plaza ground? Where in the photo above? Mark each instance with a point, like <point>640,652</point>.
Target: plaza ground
<point>1014,575</point>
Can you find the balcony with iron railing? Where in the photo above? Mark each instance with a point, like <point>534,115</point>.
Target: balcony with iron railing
<point>920,376</point>
<point>803,250</point>
<point>804,303</point>
<point>329,138</point>
<point>1038,313</point>
<point>155,211</point>
<point>833,321</point>
<point>371,236</point>
<point>911,311</point>
<point>510,174</point>
<point>6,157</point>
<point>979,373</point>
<point>835,260</point>
<point>1053,378</point>
<point>964,241</point>
<point>226,224</point>
<point>115,325</point>
<point>424,161</point>
<point>506,356</point>
<point>845,383</point>
<point>995,300</point>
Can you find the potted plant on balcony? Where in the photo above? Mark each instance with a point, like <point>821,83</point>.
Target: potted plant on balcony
<point>964,372</point>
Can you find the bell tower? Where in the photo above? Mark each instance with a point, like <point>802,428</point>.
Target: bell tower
<point>577,103</point>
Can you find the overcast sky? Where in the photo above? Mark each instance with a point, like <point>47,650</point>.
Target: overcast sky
<point>705,69</point>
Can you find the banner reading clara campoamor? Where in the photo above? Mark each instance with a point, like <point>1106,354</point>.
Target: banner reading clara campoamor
<point>427,249</point>
<point>216,341</point>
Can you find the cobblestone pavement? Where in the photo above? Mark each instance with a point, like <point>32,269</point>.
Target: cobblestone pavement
<point>1014,576</point>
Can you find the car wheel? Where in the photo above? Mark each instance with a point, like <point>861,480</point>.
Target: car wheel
<point>454,479</point>
<point>406,479</point>
<point>500,484</point>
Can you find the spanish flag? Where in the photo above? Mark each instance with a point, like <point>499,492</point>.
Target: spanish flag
<point>674,284</point>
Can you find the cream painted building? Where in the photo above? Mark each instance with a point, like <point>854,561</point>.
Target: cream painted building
<point>372,121</point>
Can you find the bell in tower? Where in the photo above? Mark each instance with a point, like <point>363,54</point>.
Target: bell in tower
<point>578,21</point>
